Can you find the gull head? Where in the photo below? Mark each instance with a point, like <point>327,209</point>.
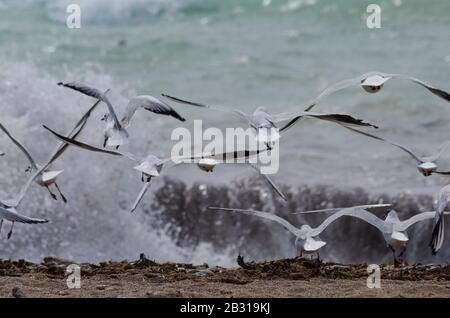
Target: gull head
<point>374,83</point>
<point>207,164</point>
<point>427,168</point>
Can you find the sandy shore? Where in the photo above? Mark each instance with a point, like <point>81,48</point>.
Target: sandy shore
<point>281,278</point>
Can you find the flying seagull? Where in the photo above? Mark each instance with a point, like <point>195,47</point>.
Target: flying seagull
<point>426,165</point>
<point>371,82</point>
<point>307,240</point>
<point>8,206</point>
<point>263,122</point>
<point>151,165</point>
<point>392,228</point>
<point>115,131</point>
<point>437,237</point>
<point>48,177</point>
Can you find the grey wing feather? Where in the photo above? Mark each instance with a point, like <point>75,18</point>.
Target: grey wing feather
<point>437,155</point>
<point>89,147</point>
<point>356,213</point>
<point>16,217</point>
<point>270,181</point>
<point>404,225</point>
<point>140,196</point>
<point>151,104</point>
<point>264,215</point>
<point>336,87</point>
<point>223,109</point>
<point>93,92</point>
<point>342,119</point>
<point>436,91</point>
<point>21,147</point>
<point>407,150</point>
<point>78,128</point>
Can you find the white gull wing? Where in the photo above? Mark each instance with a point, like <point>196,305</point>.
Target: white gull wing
<point>21,147</point>
<point>407,150</point>
<point>222,109</point>
<point>78,128</point>
<point>151,104</point>
<point>337,87</point>
<point>361,214</point>
<point>93,92</point>
<point>437,237</point>
<point>12,215</point>
<point>92,148</point>
<point>405,224</point>
<point>14,202</point>
<point>140,196</point>
<point>270,181</point>
<point>436,91</point>
<point>369,207</point>
<point>264,215</point>
<point>438,154</point>
<point>342,119</point>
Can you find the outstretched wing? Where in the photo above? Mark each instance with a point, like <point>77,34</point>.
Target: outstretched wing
<point>342,119</point>
<point>151,104</point>
<point>367,207</point>
<point>270,181</point>
<point>11,215</point>
<point>436,91</point>
<point>21,147</point>
<point>356,213</point>
<point>335,88</point>
<point>404,225</point>
<point>405,149</point>
<point>438,154</point>
<point>140,196</point>
<point>222,109</point>
<point>437,237</point>
<point>91,148</point>
<point>73,134</point>
<point>93,92</point>
<point>264,215</point>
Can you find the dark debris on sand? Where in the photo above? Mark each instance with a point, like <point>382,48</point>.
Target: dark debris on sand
<point>292,269</point>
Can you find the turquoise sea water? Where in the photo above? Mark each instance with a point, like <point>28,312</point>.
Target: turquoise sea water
<point>278,54</point>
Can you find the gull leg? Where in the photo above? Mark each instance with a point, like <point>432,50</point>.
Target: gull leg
<point>105,141</point>
<point>10,231</point>
<point>117,147</point>
<point>1,224</point>
<point>396,262</point>
<point>142,177</point>
<point>51,193</point>
<point>60,193</point>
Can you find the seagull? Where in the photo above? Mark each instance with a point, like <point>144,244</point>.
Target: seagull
<point>372,82</point>
<point>48,177</point>
<point>426,165</point>
<point>265,123</point>
<point>151,166</point>
<point>392,228</point>
<point>8,206</point>
<point>307,240</point>
<point>437,237</point>
<point>115,131</point>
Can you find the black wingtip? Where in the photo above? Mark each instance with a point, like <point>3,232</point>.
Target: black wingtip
<point>60,84</point>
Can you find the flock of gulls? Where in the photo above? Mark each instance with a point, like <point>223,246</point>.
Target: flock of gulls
<point>150,166</point>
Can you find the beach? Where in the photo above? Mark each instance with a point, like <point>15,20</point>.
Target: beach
<point>297,277</point>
